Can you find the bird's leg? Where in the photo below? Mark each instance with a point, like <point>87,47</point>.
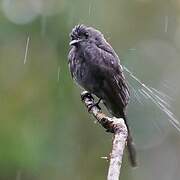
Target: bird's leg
<point>95,104</point>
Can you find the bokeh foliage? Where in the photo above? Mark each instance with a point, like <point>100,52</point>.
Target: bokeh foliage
<point>45,131</point>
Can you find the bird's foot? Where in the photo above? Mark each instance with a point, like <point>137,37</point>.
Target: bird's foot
<point>94,104</point>
<point>86,94</point>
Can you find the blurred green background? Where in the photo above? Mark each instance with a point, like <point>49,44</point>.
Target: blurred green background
<point>46,132</point>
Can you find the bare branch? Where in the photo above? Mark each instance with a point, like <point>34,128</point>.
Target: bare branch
<point>114,125</point>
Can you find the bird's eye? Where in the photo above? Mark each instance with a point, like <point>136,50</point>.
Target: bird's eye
<point>86,34</point>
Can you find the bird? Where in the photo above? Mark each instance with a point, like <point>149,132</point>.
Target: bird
<point>96,67</point>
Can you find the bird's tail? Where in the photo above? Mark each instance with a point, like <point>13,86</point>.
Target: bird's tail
<point>131,151</point>
<point>131,147</point>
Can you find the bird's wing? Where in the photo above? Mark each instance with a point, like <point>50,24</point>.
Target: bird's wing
<point>105,59</point>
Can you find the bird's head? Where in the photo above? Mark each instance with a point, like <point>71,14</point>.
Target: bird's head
<point>82,33</point>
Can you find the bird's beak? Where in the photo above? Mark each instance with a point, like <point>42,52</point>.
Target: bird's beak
<point>75,41</point>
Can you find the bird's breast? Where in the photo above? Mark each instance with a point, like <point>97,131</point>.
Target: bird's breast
<point>85,75</point>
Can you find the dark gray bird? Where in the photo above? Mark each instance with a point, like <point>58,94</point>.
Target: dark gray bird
<point>95,66</point>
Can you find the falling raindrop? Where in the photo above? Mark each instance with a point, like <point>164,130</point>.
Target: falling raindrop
<point>166,19</point>
<point>58,74</point>
<point>26,50</point>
